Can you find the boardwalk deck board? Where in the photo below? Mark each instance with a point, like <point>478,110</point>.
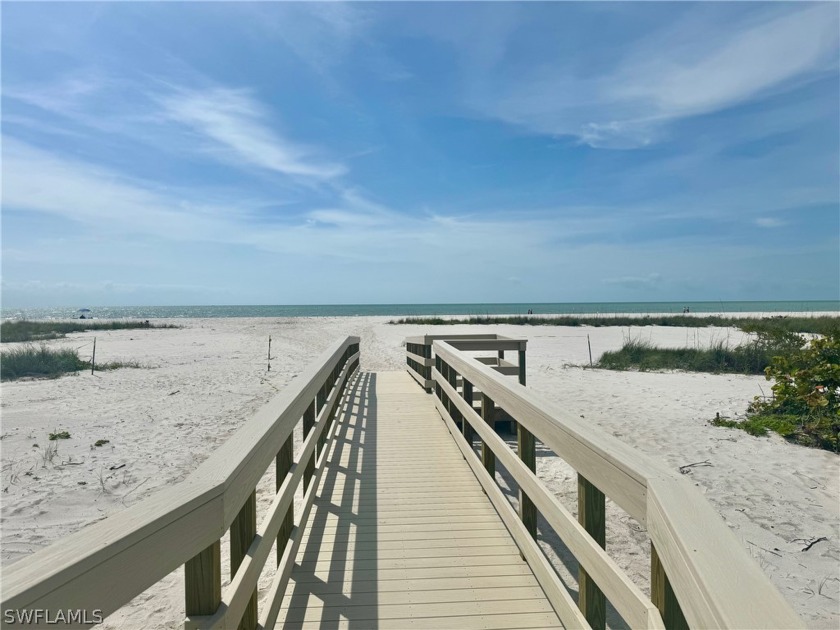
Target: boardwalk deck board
<point>401,534</point>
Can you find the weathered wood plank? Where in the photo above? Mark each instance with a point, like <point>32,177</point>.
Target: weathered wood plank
<point>285,460</point>
<point>242,533</point>
<point>592,515</point>
<point>203,581</point>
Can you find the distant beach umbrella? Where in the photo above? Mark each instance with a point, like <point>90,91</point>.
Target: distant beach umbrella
<point>84,310</point>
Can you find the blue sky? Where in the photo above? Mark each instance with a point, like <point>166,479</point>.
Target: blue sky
<point>268,153</point>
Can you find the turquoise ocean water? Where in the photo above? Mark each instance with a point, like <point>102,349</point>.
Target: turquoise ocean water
<point>413,310</point>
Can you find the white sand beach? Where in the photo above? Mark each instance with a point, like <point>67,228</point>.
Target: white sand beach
<point>200,383</point>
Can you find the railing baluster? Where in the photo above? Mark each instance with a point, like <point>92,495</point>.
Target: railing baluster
<point>662,594</point>
<point>488,413</point>
<point>452,377</point>
<point>308,423</point>
<point>203,581</point>
<point>285,458</point>
<point>527,448</point>
<point>243,530</point>
<point>466,428</point>
<point>592,515</point>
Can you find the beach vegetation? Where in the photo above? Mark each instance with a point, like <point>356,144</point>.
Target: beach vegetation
<point>30,361</point>
<point>819,324</point>
<point>748,358</point>
<point>26,330</point>
<point>60,435</point>
<point>805,402</point>
<point>804,405</point>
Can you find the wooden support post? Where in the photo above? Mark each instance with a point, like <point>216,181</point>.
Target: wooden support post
<point>592,515</point>
<point>427,370</point>
<point>93,358</point>
<point>284,460</point>
<point>203,581</point>
<point>452,377</point>
<point>527,447</point>
<point>465,427</point>
<point>243,530</point>
<point>663,596</point>
<point>308,423</point>
<point>488,411</point>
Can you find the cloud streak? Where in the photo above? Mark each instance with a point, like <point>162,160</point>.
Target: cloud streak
<point>631,104</point>
<point>235,121</point>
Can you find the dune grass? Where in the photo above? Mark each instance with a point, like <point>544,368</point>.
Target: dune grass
<point>640,355</point>
<point>42,362</point>
<point>26,330</point>
<point>820,324</point>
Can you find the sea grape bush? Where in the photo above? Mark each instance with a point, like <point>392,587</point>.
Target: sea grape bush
<point>806,393</point>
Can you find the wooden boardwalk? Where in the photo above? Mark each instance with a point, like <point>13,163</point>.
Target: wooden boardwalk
<point>401,534</point>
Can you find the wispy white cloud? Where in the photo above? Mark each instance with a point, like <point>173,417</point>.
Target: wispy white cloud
<point>769,222</point>
<point>673,74</point>
<point>62,96</point>
<point>236,121</point>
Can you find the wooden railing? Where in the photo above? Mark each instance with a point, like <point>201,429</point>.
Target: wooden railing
<point>108,563</point>
<point>420,358</point>
<point>700,576</point>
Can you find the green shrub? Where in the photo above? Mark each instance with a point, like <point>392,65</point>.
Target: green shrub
<point>805,405</point>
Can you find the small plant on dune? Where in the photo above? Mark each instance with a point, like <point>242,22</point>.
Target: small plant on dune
<point>805,405</point>
<point>60,435</point>
<point>48,454</point>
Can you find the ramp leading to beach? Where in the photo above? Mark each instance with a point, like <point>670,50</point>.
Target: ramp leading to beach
<point>401,534</point>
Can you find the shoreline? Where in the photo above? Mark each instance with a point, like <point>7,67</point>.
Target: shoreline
<point>203,381</point>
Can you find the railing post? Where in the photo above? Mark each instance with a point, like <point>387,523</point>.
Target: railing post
<point>527,447</point>
<point>427,369</point>
<point>243,530</point>
<point>283,462</point>
<point>466,428</point>
<point>662,594</point>
<point>488,413</point>
<point>452,377</point>
<point>592,515</point>
<point>203,581</point>
<point>308,423</point>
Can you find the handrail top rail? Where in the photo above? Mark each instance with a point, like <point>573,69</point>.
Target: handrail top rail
<point>688,534</point>
<point>483,341</point>
<point>509,394</point>
<point>214,492</point>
